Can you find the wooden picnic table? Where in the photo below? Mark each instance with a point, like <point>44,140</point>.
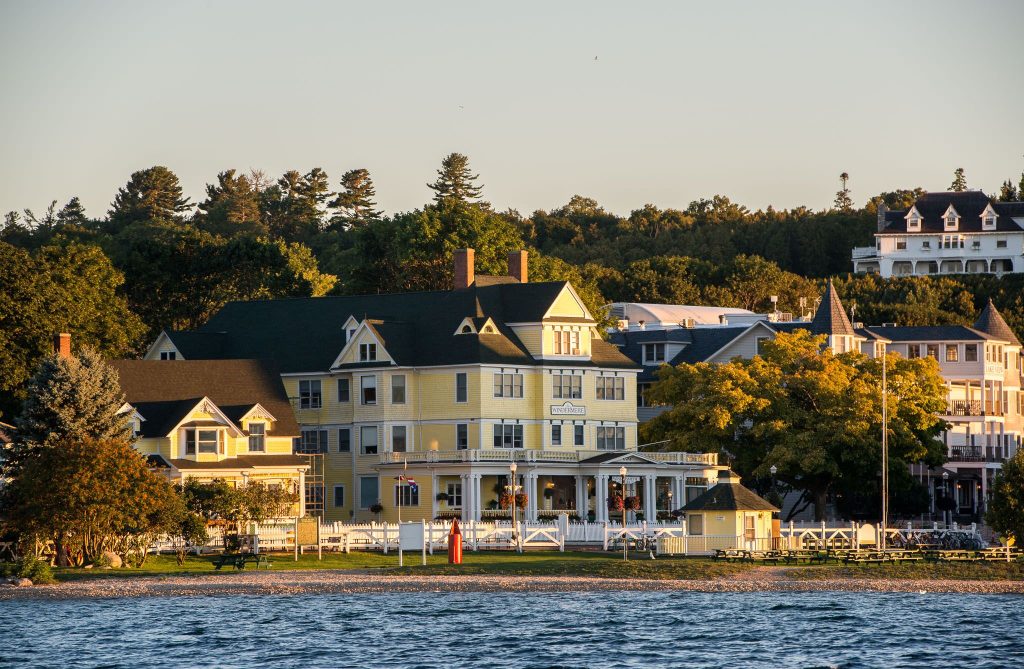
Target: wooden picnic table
<point>808,556</point>
<point>240,560</point>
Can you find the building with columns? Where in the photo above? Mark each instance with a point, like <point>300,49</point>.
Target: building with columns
<point>946,233</point>
<point>450,388</point>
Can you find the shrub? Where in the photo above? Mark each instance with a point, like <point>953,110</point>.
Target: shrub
<point>31,567</point>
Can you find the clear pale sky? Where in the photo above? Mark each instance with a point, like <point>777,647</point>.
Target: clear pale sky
<point>766,102</point>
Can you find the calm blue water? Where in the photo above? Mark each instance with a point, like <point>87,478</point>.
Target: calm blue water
<point>633,629</point>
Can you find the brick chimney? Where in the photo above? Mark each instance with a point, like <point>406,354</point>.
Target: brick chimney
<point>62,345</point>
<point>517,268</point>
<point>882,209</point>
<point>464,268</point>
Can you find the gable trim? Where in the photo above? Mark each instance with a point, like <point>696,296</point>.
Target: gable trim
<point>350,344</point>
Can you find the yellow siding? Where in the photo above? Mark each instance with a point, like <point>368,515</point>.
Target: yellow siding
<point>566,305</point>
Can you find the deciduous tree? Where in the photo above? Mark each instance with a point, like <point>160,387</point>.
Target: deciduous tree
<point>1005,512</point>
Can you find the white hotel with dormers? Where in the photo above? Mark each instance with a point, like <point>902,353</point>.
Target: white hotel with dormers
<point>947,233</point>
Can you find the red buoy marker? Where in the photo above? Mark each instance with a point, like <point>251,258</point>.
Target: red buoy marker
<point>455,543</point>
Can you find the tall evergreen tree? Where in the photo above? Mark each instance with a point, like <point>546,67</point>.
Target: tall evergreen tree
<point>959,184</point>
<point>355,204</point>
<point>73,213</point>
<point>150,194</point>
<point>294,205</point>
<point>843,202</point>
<point>232,205</point>
<point>1008,192</point>
<point>69,399</point>
<point>455,181</point>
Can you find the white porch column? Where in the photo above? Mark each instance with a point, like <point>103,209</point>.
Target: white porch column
<point>601,499</point>
<point>434,490</point>
<point>531,496</point>
<point>476,496</point>
<point>581,497</point>
<point>302,494</point>
<point>650,504</point>
<point>679,496</point>
<point>467,504</point>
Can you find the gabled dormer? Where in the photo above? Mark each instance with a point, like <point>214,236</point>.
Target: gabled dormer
<point>364,347</point>
<point>163,349</point>
<point>134,418</point>
<point>349,328</point>
<point>478,325</point>
<point>951,220</point>
<point>564,332</point>
<point>203,431</point>
<point>913,220</point>
<point>988,218</point>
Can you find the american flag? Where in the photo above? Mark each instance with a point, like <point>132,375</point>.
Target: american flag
<point>407,479</point>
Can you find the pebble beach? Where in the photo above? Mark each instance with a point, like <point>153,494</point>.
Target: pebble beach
<point>327,582</point>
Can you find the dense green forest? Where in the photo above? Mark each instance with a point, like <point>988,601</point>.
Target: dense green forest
<point>156,260</point>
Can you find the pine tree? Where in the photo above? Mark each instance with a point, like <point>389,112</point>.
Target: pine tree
<point>455,181</point>
<point>843,201</point>
<point>231,206</point>
<point>355,204</point>
<point>73,213</point>
<point>294,205</point>
<point>1008,192</point>
<point>150,194</point>
<point>69,399</point>
<point>959,184</point>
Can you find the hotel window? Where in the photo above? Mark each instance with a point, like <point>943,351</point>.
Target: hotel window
<point>368,440</point>
<point>611,388</point>
<point>879,349</point>
<point>926,245</point>
<point>508,436</point>
<point>339,496</point>
<point>556,435</point>
<point>205,441</point>
<point>461,387</point>
<point>369,491</point>
<point>344,394</point>
<point>368,389</point>
<point>168,355</point>
<point>976,244</point>
<point>344,440</point>
<point>258,437</point>
<point>933,351</point>
<point>1000,243</point>
<point>641,394</point>
<point>566,386</point>
<point>313,441</point>
<point>914,223</point>
<point>577,435</point>
<point>454,494</point>
<point>950,220</point>
<point>913,351</point>
<point>695,524</point>
<point>508,385</point>
<point>398,440</point>
<point>952,352</point>
<point>901,243</point>
<point>748,527</point>
<point>760,345</point>
<point>367,352</point>
<point>398,389</point>
<point>654,353</point>
<point>407,495</point>
<point>461,436</point>
<point>309,395</point>
<point>611,438</point>
<point>567,343</point>
<point>988,222</point>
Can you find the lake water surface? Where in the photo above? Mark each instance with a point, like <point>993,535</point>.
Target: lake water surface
<point>587,629</point>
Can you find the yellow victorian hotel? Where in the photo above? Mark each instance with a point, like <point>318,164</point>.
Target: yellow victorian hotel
<point>453,388</point>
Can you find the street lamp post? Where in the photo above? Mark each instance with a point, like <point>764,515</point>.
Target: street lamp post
<point>774,470</point>
<point>945,494</point>
<point>512,491</point>
<point>625,545</point>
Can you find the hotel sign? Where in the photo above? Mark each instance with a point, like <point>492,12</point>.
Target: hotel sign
<point>568,409</point>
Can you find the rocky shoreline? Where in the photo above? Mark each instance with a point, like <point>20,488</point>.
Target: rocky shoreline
<point>322,582</point>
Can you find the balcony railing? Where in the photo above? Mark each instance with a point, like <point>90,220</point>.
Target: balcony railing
<point>535,455</point>
<point>964,408</point>
<point>862,252</point>
<point>976,454</point>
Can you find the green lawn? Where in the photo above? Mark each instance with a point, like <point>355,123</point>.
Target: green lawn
<point>572,563</point>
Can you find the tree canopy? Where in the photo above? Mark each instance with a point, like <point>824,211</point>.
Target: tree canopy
<point>816,416</point>
<point>1005,512</point>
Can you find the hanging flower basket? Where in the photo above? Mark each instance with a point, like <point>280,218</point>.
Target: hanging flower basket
<point>615,502</point>
<point>521,500</point>
<point>505,500</point>
<point>632,503</point>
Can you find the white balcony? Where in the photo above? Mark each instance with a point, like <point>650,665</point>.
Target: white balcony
<point>535,455</point>
<point>864,252</point>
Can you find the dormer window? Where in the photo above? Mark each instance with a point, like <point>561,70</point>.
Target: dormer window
<point>258,437</point>
<point>367,352</point>
<point>168,355</point>
<point>567,342</point>
<point>951,219</point>
<point>201,441</point>
<point>988,218</point>
<point>654,354</point>
<point>914,221</point>
<point>466,329</point>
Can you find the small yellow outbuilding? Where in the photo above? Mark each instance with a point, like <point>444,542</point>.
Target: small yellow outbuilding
<point>729,509</point>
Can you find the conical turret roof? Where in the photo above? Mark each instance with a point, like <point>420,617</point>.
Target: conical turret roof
<point>831,318</point>
<point>991,321</point>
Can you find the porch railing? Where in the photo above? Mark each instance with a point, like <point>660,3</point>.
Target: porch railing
<point>964,408</point>
<point>534,455</point>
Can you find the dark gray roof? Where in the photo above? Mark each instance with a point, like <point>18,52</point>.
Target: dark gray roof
<point>830,318</point>
<point>902,333</point>
<point>244,462</point>
<point>417,329</point>
<point>164,390</point>
<point>991,321</point>
<point>729,495</point>
<point>968,204</point>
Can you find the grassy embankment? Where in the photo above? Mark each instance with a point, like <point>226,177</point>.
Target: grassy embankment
<point>580,564</point>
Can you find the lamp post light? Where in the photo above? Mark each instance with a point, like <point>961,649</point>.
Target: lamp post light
<point>625,545</point>
<point>945,493</point>
<point>774,470</point>
<point>512,490</point>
